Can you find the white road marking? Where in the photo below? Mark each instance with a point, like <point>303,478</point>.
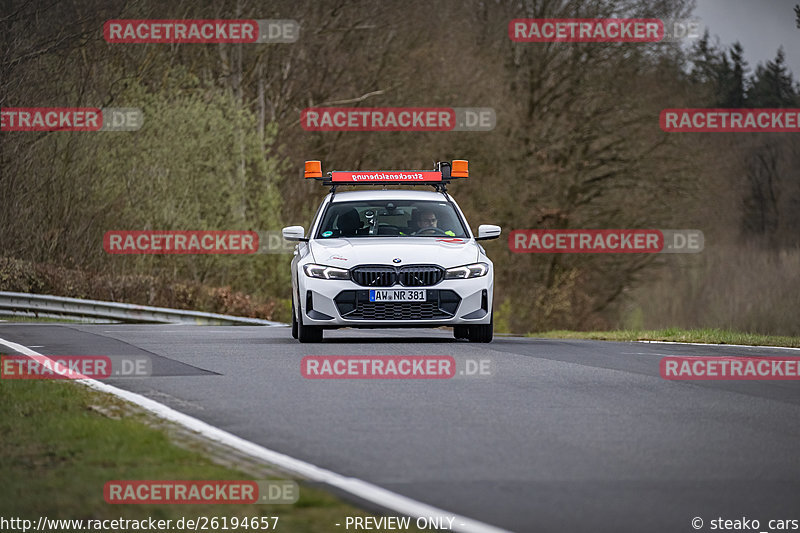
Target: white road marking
<point>357,487</point>
<point>721,345</point>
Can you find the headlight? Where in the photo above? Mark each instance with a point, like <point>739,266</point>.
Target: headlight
<point>325,272</point>
<point>475,270</point>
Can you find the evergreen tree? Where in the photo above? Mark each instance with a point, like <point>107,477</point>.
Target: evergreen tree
<point>706,61</point>
<point>772,85</point>
<point>733,90</point>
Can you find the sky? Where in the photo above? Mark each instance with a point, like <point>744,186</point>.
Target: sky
<point>760,25</point>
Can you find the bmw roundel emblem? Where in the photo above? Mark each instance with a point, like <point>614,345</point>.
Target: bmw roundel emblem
<point>396,260</point>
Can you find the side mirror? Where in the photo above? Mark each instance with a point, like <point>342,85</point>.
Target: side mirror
<point>294,233</point>
<point>487,232</point>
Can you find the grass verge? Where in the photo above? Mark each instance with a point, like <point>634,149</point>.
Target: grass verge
<point>710,336</point>
<point>36,319</point>
<point>57,451</point>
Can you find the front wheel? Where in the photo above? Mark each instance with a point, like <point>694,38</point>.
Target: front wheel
<point>481,332</point>
<point>461,332</point>
<point>308,333</point>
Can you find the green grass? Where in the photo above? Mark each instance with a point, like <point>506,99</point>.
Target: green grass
<point>710,336</point>
<point>13,319</point>
<point>56,454</point>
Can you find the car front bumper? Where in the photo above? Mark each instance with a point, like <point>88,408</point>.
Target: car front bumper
<point>342,303</point>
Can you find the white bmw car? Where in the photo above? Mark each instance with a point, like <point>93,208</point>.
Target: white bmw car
<point>391,258</point>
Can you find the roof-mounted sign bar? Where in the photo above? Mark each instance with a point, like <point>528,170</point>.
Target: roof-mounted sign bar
<point>441,175</point>
<point>386,176</point>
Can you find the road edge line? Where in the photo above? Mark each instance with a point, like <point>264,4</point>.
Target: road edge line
<point>355,486</point>
<point>721,345</point>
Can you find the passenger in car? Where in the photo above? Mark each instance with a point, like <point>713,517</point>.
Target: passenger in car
<point>349,223</point>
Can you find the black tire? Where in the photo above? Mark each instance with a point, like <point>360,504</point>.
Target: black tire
<point>308,333</point>
<point>461,332</point>
<point>481,332</point>
<point>294,322</point>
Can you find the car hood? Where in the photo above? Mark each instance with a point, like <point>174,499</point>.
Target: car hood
<point>347,253</point>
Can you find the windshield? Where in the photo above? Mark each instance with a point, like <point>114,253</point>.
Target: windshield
<point>391,218</point>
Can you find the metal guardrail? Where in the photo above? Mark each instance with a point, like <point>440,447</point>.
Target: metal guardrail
<point>45,305</point>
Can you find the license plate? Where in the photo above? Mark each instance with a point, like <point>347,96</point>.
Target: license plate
<point>398,295</point>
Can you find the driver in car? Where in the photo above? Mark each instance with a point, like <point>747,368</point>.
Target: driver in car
<point>423,219</point>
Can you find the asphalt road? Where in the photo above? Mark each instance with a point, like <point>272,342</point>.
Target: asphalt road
<point>565,436</point>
